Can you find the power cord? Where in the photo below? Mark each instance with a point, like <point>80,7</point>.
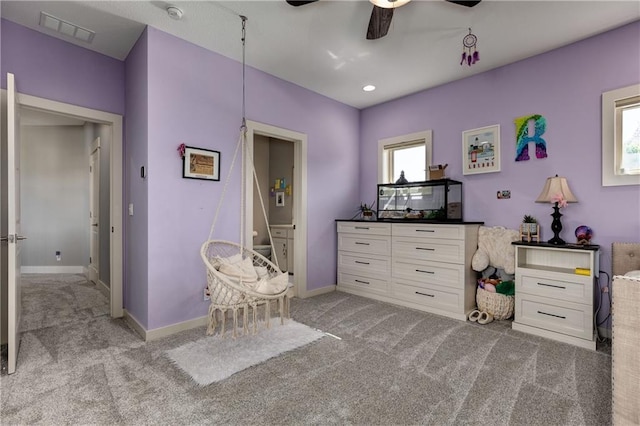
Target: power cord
<point>606,289</point>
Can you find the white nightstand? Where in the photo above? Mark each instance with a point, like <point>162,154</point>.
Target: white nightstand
<point>552,300</point>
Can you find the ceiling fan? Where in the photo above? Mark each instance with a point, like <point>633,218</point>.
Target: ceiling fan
<point>382,13</point>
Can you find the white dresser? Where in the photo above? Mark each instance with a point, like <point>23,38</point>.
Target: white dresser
<point>424,266</point>
<point>552,300</point>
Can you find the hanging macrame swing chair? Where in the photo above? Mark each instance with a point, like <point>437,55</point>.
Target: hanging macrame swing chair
<point>239,279</point>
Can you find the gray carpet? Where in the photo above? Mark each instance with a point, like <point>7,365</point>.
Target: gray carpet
<point>393,366</point>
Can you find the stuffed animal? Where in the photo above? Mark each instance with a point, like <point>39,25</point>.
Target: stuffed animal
<point>495,249</point>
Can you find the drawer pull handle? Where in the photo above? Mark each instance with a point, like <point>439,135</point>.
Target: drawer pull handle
<point>425,294</point>
<point>551,285</point>
<point>362,244</point>
<point>362,282</point>
<point>425,248</point>
<point>425,230</point>
<point>552,315</point>
<point>425,272</point>
<point>362,227</point>
<point>362,263</point>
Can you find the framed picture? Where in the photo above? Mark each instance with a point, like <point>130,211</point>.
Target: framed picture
<point>201,163</point>
<point>279,199</point>
<point>481,150</point>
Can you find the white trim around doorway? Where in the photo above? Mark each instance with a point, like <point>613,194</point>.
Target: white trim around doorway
<point>116,195</point>
<point>299,196</point>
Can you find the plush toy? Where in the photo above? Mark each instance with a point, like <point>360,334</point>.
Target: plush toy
<point>495,249</point>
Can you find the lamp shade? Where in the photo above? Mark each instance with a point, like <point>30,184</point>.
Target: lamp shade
<point>554,187</point>
<point>389,4</point>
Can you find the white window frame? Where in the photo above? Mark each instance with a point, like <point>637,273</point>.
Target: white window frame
<point>412,139</point>
<point>611,136</point>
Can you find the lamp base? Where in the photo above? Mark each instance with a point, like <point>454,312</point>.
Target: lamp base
<point>556,227</point>
<point>557,241</point>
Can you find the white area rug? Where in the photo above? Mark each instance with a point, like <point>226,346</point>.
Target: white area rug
<point>215,358</point>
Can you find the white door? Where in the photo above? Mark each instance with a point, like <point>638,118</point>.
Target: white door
<point>13,217</point>
<point>94,204</point>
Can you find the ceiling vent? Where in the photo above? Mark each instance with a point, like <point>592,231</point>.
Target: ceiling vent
<point>66,28</point>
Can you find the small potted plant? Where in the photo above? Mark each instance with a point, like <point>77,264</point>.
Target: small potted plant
<point>529,227</point>
<point>366,210</point>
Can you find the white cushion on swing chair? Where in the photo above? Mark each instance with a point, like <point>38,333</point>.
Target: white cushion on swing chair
<point>236,267</point>
<point>274,285</point>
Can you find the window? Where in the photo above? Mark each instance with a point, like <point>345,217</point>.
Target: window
<point>627,136</point>
<point>409,153</point>
<point>621,136</point>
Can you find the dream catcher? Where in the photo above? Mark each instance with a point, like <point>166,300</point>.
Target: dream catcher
<point>470,53</point>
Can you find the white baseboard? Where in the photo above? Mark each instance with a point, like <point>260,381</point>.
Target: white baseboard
<point>52,269</point>
<point>318,291</point>
<point>159,333</point>
<point>133,323</point>
<point>604,332</point>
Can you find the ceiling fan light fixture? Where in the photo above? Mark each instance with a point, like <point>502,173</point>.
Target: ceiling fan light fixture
<point>369,88</point>
<point>389,4</point>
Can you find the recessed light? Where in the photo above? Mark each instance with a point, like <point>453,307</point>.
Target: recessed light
<point>369,88</point>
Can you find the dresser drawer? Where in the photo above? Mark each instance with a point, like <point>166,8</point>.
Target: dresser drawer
<point>362,282</point>
<point>434,249</point>
<point>366,228</point>
<point>455,232</point>
<point>579,289</point>
<point>443,298</point>
<point>368,244</point>
<point>370,265</point>
<point>555,315</point>
<point>430,273</point>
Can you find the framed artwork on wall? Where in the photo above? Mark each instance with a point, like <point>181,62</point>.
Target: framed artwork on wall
<point>481,150</point>
<point>201,163</point>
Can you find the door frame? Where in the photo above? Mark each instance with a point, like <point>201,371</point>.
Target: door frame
<point>299,195</point>
<point>114,121</point>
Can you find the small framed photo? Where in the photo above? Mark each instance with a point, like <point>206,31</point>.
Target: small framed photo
<point>280,199</point>
<point>481,150</point>
<point>201,163</point>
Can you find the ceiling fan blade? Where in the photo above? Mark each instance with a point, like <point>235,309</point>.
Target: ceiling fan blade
<point>379,23</point>
<point>301,2</point>
<point>464,2</point>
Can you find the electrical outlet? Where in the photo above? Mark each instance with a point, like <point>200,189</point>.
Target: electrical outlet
<point>206,295</point>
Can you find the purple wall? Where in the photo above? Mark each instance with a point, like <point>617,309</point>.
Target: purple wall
<point>54,69</point>
<point>195,98</point>
<point>565,86</point>
<point>136,288</point>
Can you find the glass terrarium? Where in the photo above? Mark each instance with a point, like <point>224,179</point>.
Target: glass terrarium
<point>436,200</point>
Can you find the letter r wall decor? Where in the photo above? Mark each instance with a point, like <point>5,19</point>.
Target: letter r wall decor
<point>523,138</point>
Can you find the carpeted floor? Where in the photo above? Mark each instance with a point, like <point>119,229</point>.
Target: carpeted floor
<point>393,366</point>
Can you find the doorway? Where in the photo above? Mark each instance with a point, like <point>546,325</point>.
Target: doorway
<point>294,233</point>
<point>113,124</point>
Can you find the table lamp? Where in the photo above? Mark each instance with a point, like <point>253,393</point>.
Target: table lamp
<point>556,190</point>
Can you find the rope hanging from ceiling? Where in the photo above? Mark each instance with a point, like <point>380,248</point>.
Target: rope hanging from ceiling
<point>239,279</point>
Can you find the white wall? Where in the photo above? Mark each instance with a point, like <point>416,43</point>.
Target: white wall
<point>54,196</point>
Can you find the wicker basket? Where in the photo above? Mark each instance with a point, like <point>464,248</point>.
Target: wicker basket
<point>496,304</point>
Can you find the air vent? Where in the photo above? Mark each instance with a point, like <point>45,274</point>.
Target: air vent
<point>66,28</point>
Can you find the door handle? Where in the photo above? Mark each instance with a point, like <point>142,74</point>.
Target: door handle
<point>94,224</point>
<point>12,238</point>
